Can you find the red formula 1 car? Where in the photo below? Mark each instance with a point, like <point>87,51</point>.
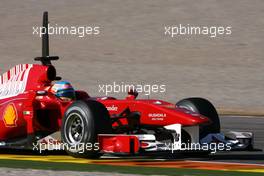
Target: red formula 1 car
<point>36,108</point>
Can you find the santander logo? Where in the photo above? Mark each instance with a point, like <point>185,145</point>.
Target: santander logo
<point>112,108</point>
<point>14,81</point>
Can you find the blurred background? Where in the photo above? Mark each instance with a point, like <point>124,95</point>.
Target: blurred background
<point>132,47</point>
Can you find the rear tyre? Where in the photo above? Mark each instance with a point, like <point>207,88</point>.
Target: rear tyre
<point>205,108</point>
<point>82,123</point>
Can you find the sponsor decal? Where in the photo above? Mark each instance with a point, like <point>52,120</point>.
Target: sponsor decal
<point>157,116</point>
<point>112,108</point>
<point>13,82</point>
<point>10,116</point>
<point>50,140</point>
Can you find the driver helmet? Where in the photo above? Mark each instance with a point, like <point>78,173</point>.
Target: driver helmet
<point>63,90</point>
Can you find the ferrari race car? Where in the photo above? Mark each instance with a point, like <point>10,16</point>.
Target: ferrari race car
<point>39,111</point>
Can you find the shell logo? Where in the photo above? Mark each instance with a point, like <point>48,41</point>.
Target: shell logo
<point>10,116</point>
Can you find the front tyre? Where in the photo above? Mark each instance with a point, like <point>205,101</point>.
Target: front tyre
<point>82,123</point>
<point>205,108</point>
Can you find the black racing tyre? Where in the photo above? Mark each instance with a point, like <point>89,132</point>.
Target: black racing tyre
<point>82,123</point>
<point>205,108</point>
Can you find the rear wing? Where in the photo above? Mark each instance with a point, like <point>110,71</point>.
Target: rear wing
<point>14,81</point>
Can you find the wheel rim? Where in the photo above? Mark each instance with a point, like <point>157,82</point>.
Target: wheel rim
<point>74,129</point>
